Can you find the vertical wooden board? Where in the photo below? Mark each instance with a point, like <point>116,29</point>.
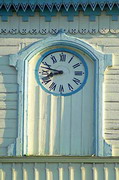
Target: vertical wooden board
<point>34,23</point>
<point>75,173</point>
<point>23,26</point>
<point>93,26</point>
<point>44,122</point>
<point>111,171</point>
<point>114,26</point>
<point>18,171</point>
<point>83,23</point>
<point>41,167</point>
<point>4,26</point>
<point>8,171</point>
<point>88,171</point>
<point>4,60</point>
<point>64,171</point>
<point>88,112</point>
<point>100,171</point>
<point>73,26</point>
<point>76,122</point>
<point>33,115</point>
<point>14,24</point>
<point>51,171</point>
<point>65,126</point>
<point>28,171</point>
<point>1,172</point>
<point>44,26</point>
<point>55,119</point>
<point>63,23</point>
<point>103,23</point>
<point>54,25</point>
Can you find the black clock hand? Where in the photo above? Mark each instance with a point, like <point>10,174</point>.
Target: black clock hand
<point>52,74</point>
<point>52,69</point>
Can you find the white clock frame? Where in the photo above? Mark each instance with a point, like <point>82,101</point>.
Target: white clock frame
<point>20,62</point>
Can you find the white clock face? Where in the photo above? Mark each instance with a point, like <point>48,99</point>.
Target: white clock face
<point>61,72</point>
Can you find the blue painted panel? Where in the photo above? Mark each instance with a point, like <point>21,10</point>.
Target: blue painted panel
<point>25,15</point>
<point>4,14</point>
<point>70,13</point>
<point>48,14</point>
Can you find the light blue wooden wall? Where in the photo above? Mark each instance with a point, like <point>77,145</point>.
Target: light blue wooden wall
<point>8,105</point>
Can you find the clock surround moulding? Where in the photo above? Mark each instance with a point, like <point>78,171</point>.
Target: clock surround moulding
<point>20,62</point>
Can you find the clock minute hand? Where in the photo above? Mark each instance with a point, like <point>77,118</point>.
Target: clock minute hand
<point>52,74</point>
<point>51,69</point>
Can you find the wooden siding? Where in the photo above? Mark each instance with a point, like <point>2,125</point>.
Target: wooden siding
<point>59,168</point>
<point>8,105</point>
<point>111,121</point>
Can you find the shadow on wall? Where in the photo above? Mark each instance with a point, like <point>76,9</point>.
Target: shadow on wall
<point>8,105</point>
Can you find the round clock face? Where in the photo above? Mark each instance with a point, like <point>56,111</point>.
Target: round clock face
<point>61,72</point>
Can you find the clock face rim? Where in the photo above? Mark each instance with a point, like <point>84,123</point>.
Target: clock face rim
<point>73,52</point>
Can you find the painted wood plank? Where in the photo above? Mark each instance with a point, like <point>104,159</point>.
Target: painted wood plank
<point>113,81</point>
<point>65,125</point>
<point>63,23</point>
<point>103,23</point>
<point>64,171</point>
<point>112,106</point>
<point>114,26</point>
<point>52,173</point>
<point>88,113</point>
<point>44,26</point>
<point>111,77</point>
<point>11,79</point>
<point>8,133</point>
<point>111,88</point>
<point>53,26</point>
<point>7,70</point>
<point>23,26</point>
<point>4,60</point>
<point>109,136</point>
<point>13,24</point>
<point>28,171</point>
<point>6,50</point>
<point>55,118</point>
<point>74,25</point>
<point>18,170</point>
<point>112,115</point>
<point>8,96</point>
<point>4,142</point>
<point>100,171</point>
<point>76,122</point>
<point>8,123</point>
<point>8,105</point>
<point>44,123</point>
<point>111,125</point>
<point>111,97</point>
<point>3,151</point>
<point>111,171</point>
<point>8,88</point>
<point>83,23</point>
<point>10,114</point>
<point>88,171</point>
<point>112,71</point>
<point>34,25</point>
<point>4,26</point>
<point>7,171</point>
<point>93,26</point>
<point>42,170</point>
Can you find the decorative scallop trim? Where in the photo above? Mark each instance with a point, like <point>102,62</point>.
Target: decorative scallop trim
<point>50,5</point>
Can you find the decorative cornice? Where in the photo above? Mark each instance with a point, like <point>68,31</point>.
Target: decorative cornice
<point>59,159</point>
<point>76,4</point>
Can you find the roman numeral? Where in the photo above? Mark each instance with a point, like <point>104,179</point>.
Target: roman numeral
<point>44,72</point>
<point>53,59</point>
<point>61,89</point>
<point>46,81</point>
<point>76,65</point>
<point>46,64</point>
<point>62,57</point>
<point>77,81</point>
<point>52,86</point>
<point>71,59</point>
<point>78,73</point>
<point>70,87</point>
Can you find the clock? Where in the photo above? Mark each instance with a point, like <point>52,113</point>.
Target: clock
<point>61,72</point>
